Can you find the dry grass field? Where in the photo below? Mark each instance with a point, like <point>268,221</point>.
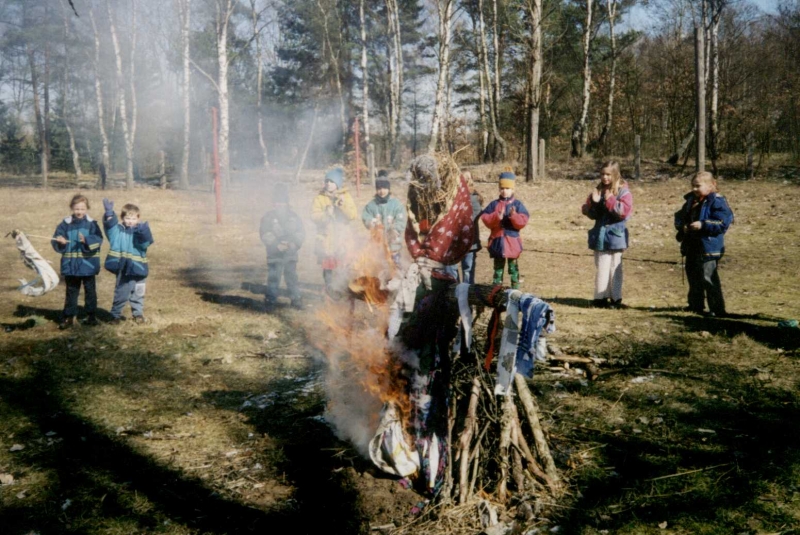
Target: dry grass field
<point>208,418</point>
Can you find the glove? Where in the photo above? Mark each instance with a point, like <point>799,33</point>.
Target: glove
<point>142,228</point>
<point>108,205</point>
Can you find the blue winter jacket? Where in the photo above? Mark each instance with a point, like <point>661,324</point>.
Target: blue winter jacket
<point>715,215</point>
<point>128,252</point>
<point>610,231</point>
<point>79,259</point>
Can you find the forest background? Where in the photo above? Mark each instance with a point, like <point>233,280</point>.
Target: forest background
<point>127,88</point>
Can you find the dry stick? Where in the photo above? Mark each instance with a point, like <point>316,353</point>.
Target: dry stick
<point>529,404</point>
<point>516,460</point>
<point>451,420</point>
<point>470,426</point>
<point>533,466</point>
<point>475,460</point>
<point>505,442</point>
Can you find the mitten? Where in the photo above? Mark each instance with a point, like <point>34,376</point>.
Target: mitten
<point>108,205</point>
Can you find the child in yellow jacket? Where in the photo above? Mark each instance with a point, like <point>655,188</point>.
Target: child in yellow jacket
<point>333,208</point>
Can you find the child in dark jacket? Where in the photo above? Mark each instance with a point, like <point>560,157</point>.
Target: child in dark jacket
<point>505,217</point>
<point>282,233</point>
<point>701,224</point>
<point>127,258</point>
<point>78,239</point>
<point>610,205</point>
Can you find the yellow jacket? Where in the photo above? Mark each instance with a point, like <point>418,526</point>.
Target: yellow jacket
<point>332,231</point>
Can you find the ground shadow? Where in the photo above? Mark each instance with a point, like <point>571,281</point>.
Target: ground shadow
<point>568,301</point>
<point>99,471</point>
<point>771,336</point>
<point>54,315</point>
<point>694,466</point>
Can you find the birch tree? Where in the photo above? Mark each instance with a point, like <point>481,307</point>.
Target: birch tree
<point>498,140</point>
<point>364,75</point>
<point>579,128</point>
<point>223,12</point>
<point>333,66</point>
<point>44,149</point>
<point>98,90</point>
<point>395,77</point>
<point>605,134</point>
<point>716,8</point>
<point>255,17</point>
<point>445,10</point>
<point>128,128</point>
<point>76,162</point>
<point>184,8</point>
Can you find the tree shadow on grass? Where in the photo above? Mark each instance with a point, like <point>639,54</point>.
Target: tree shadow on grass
<point>771,336</point>
<point>217,285</point>
<point>102,474</point>
<point>708,461</point>
<point>568,301</point>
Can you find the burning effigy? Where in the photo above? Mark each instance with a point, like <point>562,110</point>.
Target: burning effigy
<point>435,407</point>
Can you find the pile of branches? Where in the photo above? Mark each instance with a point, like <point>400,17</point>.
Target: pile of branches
<point>499,464</point>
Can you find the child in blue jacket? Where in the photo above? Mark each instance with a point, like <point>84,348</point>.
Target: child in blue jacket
<point>127,258</point>
<point>701,224</point>
<point>78,239</point>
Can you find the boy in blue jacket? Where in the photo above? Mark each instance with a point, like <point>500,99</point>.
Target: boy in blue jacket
<point>282,233</point>
<point>78,239</point>
<point>701,224</point>
<point>127,258</point>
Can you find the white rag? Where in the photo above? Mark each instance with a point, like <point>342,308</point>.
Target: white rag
<point>35,261</point>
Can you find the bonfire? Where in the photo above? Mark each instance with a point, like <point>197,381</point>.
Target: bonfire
<point>447,409</point>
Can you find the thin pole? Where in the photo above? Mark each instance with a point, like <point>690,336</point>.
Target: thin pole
<point>358,158</point>
<point>217,188</point>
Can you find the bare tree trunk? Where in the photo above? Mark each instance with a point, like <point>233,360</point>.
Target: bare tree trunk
<point>482,91</point>
<point>224,12</point>
<point>46,111</point>
<point>98,89</point>
<point>605,134</point>
<point>364,76</point>
<point>184,12</point>
<point>76,162</point>
<point>334,61</point>
<point>716,13</point>
<point>37,110</point>
<point>303,156</point>
<point>259,82</point>
<point>123,108</point>
<point>490,92</point>
<point>579,129</point>
<point>395,78</point>
<point>445,9</point>
<point>535,9</point>
<point>131,144</point>
<point>496,88</point>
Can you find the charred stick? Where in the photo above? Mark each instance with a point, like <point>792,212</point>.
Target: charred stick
<point>529,404</point>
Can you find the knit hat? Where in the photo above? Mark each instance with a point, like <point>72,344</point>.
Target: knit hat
<point>383,173</point>
<point>280,193</point>
<point>335,175</point>
<point>507,179</point>
<point>383,183</point>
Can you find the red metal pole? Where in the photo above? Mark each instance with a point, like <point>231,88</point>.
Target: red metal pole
<point>217,187</point>
<point>358,157</point>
